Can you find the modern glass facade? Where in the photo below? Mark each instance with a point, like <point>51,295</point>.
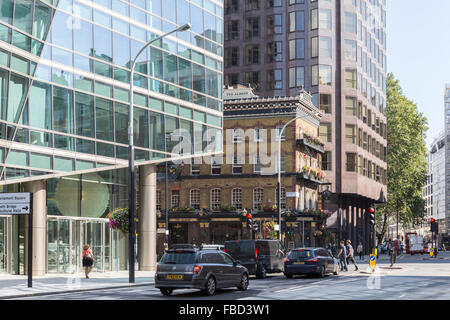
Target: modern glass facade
<point>64,82</point>
<point>64,111</point>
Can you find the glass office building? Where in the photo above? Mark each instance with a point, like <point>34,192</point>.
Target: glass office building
<point>64,109</point>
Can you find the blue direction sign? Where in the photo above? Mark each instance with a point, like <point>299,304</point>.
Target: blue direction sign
<point>372,261</point>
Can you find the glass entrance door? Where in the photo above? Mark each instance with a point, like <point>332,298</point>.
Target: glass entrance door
<point>94,236</point>
<point>58,246</point>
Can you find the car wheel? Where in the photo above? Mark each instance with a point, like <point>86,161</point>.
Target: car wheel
<point>336,273</point>
<point>210,286</point>
<point>244,283</point>
<point>322,272</point>
<point>166,291</point>
<point>262,274</point>
<point>288,275</point>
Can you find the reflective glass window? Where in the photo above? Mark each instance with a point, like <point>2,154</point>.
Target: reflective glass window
<point>83,38</point>
<point>64,142</point>
<point>170,68</point>
<point>3,92</point>
<point>62,110</point>
<point>85,146</point>
<point>104,119</point>
<point>84,111</point>
<point>156,131</point>
<point>17,91</point>
<point>62,30</point>
<point>121,52</point>
<point>23,15</point>
<point>102,44</point>
<point>198,73</point>
<point>156,63</point>
<point>40,105</point>
<point>6,10</point>
<point>121,120</point>
<point>141,129</point>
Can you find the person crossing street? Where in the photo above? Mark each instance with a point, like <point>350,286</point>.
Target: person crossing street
<point>350,255</point>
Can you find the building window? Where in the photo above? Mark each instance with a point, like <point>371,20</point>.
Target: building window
<point>273,3</point>
<point>258,198</point>
<point>232,79</point>
<point>326,161</point>
<point>236,198</point>
<point>314,19</point>
<point>232,30</point>
<point>158,200</point>
<point>232,57</point>
<point>251,5</point>
<point>350,22</point>
<point>350,106</point>
<point>175,199</point>
<point>195,199</point>
<point>215,169</point>
<point>296,77</point>
<point>274,51</point>
<point>282,197</point>
<point>195,168</point>
<point>274,79</point>
<point>325,19</point>
<point>257,165</point>
<point>215,199</point>
<point>350,50</point>
<point>296,21</point>
<point>237,165</point>
<point>314,47</point>
<point>325,132</point>
<point>351,162</point>
<point>274,24</point>
<point>231,6</point>
<point>325,103</point>
<point>257,134</point>
<point>252,79</point>
<point>278,131</point>
<point>325,47</point>
<point>238,135</point>
<point>296,49</point>
<point>252,27</point>
<point>325,77</point>
<point>350,133</point>
<point>252,54</point>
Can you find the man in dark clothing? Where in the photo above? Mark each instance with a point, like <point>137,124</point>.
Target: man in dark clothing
<point>342,256</point>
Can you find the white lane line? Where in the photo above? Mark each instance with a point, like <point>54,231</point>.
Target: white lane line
<point>295,289</point>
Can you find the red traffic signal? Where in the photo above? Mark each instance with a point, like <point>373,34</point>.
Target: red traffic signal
<point>249,216</point>
<point>432,220</point>
<point>371,210</point>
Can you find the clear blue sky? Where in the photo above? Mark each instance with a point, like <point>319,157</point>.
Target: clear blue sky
<point>418,54</point>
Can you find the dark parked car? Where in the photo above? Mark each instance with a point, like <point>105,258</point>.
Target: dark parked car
<point>205,269</point>
<point>317,261</point>
<point>258,256</point>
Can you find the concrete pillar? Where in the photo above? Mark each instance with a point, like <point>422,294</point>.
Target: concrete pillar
<point>38,188</point>
<point>147,218</point>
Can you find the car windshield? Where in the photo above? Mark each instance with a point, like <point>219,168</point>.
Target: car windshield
<point>181,257</point>
<point>298,254</point>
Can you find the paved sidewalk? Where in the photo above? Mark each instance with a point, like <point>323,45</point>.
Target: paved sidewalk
<point>17,286</point>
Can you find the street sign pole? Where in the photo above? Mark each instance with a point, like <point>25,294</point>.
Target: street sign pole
<point>30,243</point>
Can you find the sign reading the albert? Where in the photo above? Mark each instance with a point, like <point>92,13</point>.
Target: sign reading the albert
<point>15,203</point>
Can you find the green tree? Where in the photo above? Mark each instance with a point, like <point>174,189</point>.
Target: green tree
<point>406,160</point>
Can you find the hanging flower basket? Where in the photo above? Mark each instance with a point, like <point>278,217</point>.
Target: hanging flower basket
<point>119,219</point>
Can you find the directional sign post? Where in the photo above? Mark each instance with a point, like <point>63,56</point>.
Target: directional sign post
<point>372,261</point>
<point>18,204</point>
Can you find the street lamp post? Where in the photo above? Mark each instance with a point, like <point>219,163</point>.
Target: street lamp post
<point>279,170</point>
<point>131,192</point>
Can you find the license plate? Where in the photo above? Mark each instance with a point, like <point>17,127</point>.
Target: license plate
<point>299,263</point>
<point>174,277</point>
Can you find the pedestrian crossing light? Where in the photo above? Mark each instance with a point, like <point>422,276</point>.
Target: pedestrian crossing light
<point>372,216</point>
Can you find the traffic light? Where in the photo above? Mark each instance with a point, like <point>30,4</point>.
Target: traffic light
<point>432,220</point>
<point>372,216</point>
<point>255,226</point>
<point>249,221</point>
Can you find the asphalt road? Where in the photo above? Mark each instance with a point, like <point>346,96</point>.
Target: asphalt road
<point>416,277</point>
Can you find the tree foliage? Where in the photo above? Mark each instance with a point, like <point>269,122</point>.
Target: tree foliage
<point>406,159</point>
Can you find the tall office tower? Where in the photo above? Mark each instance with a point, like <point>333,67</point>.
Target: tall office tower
<point>447,162</point>
<point>335,49</point>
<point>64,101</point>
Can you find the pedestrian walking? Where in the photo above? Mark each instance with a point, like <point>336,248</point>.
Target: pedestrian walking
<point>333,250</point>
<point>350,255</point>
<point>342,256</point>
<point>88,260</point>
<point>360,251</point>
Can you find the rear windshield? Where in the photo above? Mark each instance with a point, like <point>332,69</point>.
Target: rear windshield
<point>298,254</point>
<point>241,248</point>
<point>178,258</point>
